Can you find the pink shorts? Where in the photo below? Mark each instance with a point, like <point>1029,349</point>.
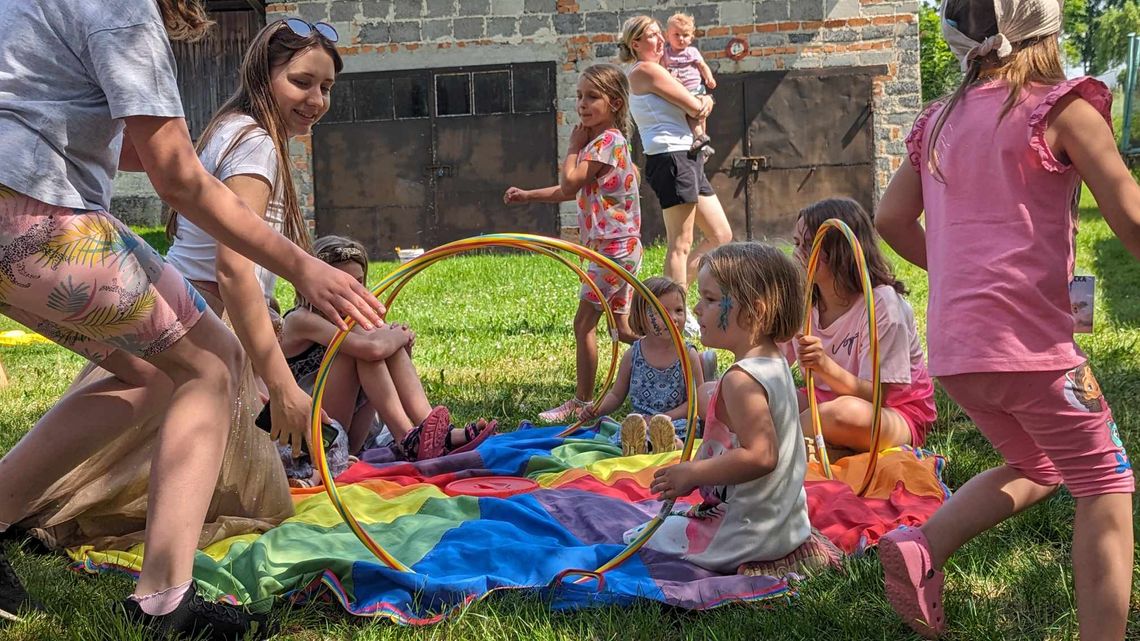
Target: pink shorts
<point>623,251</point>
<point>917,410</point>
<point>87,282</point>
<point>1053,427</point>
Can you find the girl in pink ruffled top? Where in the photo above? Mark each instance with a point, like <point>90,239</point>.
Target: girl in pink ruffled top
<point>996,167</point>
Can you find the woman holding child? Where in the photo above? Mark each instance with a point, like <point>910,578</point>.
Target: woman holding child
<point>660,104</point>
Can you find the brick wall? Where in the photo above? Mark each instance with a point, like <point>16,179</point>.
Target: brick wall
<point>380,35</point>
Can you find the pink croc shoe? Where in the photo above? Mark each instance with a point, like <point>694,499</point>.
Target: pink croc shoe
<point>913,586</point>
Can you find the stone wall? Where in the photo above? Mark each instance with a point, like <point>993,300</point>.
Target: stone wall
<point>383,35</point>
<point>380,35</point>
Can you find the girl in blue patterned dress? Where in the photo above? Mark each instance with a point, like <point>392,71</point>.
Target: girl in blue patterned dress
<point>650,375</point>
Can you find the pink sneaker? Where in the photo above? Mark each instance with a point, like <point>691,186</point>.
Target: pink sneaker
<point>564,413</point>
<point>913,586</point>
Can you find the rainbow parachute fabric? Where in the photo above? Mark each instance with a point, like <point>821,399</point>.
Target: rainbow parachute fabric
<point>462,548</point>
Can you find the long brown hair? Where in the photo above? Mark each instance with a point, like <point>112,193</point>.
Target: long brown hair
<point>837,253</point>
<point>767,285</point>
<point>274,45</point>
<point>613,84</point>
<point>185,20</point>
<point>1036,60</point>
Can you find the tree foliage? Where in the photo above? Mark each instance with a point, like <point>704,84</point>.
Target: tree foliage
<point>1096,32</point>
<point>940,70</point>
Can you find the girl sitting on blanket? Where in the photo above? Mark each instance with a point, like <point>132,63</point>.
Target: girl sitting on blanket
<point>750,467</point>
<point>650,375</point>
<point>839,351</point>
<point>372,374</point>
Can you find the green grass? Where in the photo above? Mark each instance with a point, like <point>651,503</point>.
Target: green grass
<point>494,339</point>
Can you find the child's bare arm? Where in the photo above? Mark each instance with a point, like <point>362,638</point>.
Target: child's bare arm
<point>617,393</point>
<point>554,194</point>
<point>748,415</point>
<point>706,73</point>
<point>367,345</point>
<point>681,411</point>
<point>1084,136</point>
<point>897,216</point>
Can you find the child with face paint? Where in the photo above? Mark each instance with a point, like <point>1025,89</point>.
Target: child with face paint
<point>650,376</point>
<point>750,467</point>
<point>839,349</point>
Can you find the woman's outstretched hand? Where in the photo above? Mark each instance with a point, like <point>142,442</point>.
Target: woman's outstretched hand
<point>336,294</point>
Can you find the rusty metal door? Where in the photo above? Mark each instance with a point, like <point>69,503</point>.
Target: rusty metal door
<point>423,157</point>
<point>810,138</point>
<point>784,140</point>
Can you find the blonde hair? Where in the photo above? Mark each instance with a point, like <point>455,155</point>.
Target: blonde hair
<point>276,44</point>
<point>611,81</point>
<point>767,285</point>
<point>185,20</point>
<point>335,250</point>
<point>1036,60</point>
<point>682,20</point>
<point>632,30</point>
<point>639,314</point>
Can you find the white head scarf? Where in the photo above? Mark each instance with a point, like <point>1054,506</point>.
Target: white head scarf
<point>1017,20</point>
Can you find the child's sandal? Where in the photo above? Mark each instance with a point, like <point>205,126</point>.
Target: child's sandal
<point>429,439</point>
<point>476,433</point>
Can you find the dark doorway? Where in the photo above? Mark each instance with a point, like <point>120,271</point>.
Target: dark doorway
<point>423,157</point>
<point>783,141</point>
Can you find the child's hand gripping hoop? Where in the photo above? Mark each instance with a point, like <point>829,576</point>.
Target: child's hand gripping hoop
<point>873,336</point>
<point>399,277</point>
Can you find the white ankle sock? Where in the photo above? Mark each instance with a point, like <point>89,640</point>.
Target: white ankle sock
<point>163,602</point>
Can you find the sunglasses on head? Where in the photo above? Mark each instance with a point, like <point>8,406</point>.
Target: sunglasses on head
<point>305,29</point>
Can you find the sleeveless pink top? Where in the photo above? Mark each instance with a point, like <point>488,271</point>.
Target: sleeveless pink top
<point>999,232</point>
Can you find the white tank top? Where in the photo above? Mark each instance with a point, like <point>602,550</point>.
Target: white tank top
<point>660,123</point>
<point>194,252</point>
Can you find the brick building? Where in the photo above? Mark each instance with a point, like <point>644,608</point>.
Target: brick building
<point>445,103</point>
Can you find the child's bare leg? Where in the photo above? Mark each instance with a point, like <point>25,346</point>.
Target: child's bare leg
<point>984,501</point>
<point>204,367</point>
<point>85,419</point>
<point>409,387</point>
<point>342,389</point>
<point>382,394</point>
<point>360,428</point>
<point>586,349</point>
<point>1102,565</point>
<point>846,424</point>
<point>625,334</point>
<point>694,126</point>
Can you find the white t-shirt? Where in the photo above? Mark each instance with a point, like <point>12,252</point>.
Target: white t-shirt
<point>847,342</point>
<point>194,252</point>
<point>70,70</point>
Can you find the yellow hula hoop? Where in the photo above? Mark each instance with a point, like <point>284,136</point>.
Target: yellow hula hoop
<point>611,322</point>
<point>873,335</point>
<point>399,277</point>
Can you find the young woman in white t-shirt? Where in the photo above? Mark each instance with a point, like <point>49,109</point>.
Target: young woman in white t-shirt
<point>838,352</point>
<point>285,80</point>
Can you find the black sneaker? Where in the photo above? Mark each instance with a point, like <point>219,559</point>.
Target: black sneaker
<point>195,616</point>
<point>13,597</point>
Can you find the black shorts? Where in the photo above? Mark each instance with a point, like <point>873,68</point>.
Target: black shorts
<point>676,178</point>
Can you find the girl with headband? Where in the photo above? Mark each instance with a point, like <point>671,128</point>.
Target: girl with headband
<point>996,166</point>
